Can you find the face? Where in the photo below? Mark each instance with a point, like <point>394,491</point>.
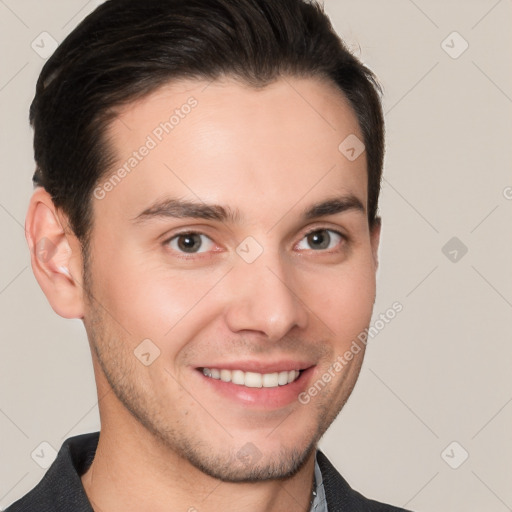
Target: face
<point>230,264</point>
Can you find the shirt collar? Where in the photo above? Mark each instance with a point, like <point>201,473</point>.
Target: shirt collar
<point>319,502</point>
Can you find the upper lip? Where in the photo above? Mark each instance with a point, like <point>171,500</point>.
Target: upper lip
<point>260,366</point>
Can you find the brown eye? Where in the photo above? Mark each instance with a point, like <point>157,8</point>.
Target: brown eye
<point>190,243</point>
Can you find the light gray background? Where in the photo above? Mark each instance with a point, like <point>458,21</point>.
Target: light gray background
<point>440,371</point>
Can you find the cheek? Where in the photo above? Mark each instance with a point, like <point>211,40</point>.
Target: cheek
<point>147,300</point>
<point>342,299</point>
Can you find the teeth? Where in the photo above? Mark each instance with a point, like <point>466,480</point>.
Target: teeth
<point>270,380</point>
<point>253,379</point>
<point>237,377</point>
<point>282,378</point>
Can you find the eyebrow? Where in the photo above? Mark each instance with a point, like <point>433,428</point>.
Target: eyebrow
<point>178,208</point>
<point>334,206</point>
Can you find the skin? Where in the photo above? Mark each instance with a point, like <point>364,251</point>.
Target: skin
<point>169,440</point>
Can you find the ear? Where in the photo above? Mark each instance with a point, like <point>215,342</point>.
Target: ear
<point>375,240</point>
<point>56,255</point>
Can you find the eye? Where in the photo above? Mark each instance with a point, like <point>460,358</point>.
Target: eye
<point>320,239</point>
<point>190,243</point>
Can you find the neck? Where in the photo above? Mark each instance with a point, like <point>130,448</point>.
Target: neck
<point>131,475</point>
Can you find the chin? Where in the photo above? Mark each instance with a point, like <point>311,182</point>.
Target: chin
<point>250,464</point>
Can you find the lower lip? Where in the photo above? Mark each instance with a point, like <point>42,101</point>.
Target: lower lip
<point>264,398</point>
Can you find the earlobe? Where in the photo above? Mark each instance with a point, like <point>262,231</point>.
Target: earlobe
<point>55,255</point>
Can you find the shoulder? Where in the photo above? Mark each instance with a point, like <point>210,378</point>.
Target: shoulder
<point>61,489</point>
<point>341,497</point>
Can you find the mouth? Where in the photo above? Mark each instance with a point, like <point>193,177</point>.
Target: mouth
<point>252,379</point>
<point>257,385</point>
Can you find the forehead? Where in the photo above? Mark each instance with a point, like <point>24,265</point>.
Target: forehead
<point>227,143</point>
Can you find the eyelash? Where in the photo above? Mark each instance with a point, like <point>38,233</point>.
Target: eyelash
<point>184,255</point>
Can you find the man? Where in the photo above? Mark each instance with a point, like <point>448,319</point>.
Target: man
<point>208,174</point>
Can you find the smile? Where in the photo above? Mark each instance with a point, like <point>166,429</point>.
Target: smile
<point>253,379</point>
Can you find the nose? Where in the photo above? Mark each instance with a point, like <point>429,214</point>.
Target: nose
<point>262,300</point>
